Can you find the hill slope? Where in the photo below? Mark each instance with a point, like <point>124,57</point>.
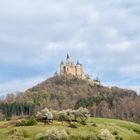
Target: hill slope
<point>74,89</point>
<point>69,92</point>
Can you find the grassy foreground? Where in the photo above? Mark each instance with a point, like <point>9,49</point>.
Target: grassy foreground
<point>126,130</point>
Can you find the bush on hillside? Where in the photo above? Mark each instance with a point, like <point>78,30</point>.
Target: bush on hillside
<point>69,115</point>
<point>60,115</point>
<point>105,135</point>
<point>45,116</point>
<point>55,134</point>
<point>82,115</point>
<point>26,122</point>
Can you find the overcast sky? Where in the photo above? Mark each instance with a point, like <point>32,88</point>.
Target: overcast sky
<point>36,34</point>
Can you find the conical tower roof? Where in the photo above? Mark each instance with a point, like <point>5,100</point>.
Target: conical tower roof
<point>62,62</point>
<point>68,57</point>
<point>78,62</point>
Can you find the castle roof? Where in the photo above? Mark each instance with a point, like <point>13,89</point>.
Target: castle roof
<point>68,57</point>
<point>78,63</point>
<point>62,62</point>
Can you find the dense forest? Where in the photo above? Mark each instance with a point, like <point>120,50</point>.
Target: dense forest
<point>59,93</point>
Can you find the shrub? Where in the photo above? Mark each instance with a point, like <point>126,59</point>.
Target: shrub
<point>81,115</point>
<point>45,116</point>
<point>31,122</point>
<point>55,134</point>
<point>69,115</point>
<point>105,135</point>
<point>64,115</point>
<point>27,122</point>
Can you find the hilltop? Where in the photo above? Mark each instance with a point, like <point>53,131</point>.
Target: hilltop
<point>72,89</point>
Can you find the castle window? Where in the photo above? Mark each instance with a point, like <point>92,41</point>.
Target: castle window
<point>64,69</point>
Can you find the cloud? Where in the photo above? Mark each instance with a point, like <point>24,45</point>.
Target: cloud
<point>36,35</point>
<point>131,70</point>
<point>20,85</point>
<point>120,47</point>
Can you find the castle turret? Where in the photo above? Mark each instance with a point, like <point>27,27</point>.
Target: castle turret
<point>68,61</point>
<point>77,62</point>
<point>68,57</point>
<point>62,63</point>
<point>62,68</point>
<point>79,70</point>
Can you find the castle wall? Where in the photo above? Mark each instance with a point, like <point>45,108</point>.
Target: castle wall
<point>79,71</point>
<point>71,70</point>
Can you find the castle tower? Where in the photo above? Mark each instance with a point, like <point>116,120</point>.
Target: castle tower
<point>68,57</point>
<point>79,70</point>
<point>62,68</point>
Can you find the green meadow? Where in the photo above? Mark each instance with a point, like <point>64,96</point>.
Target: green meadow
<point>124,129</point>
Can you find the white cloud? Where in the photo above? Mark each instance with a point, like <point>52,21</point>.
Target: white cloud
<point>120,47</point>
<point>20,85</point>
<point>104,35</point>
<point>130,70</point>
<point>27,9</point>
<point>112,32</point>
<point>51,46</point>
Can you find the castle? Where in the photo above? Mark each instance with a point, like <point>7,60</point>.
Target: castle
<point>68,68</point>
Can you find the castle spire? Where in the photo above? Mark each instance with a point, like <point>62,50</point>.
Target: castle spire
<point>78,62</point>
<point>68,57</point>
<point>62,62</point>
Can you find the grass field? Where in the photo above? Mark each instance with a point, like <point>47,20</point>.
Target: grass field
<point>126,130</point>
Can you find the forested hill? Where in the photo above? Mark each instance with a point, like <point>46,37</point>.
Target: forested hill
<point>61,93</point>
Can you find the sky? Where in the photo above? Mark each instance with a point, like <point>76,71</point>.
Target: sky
<point>35,35</point>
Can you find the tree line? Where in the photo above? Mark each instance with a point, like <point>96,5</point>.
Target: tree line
<point>126,108</point>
